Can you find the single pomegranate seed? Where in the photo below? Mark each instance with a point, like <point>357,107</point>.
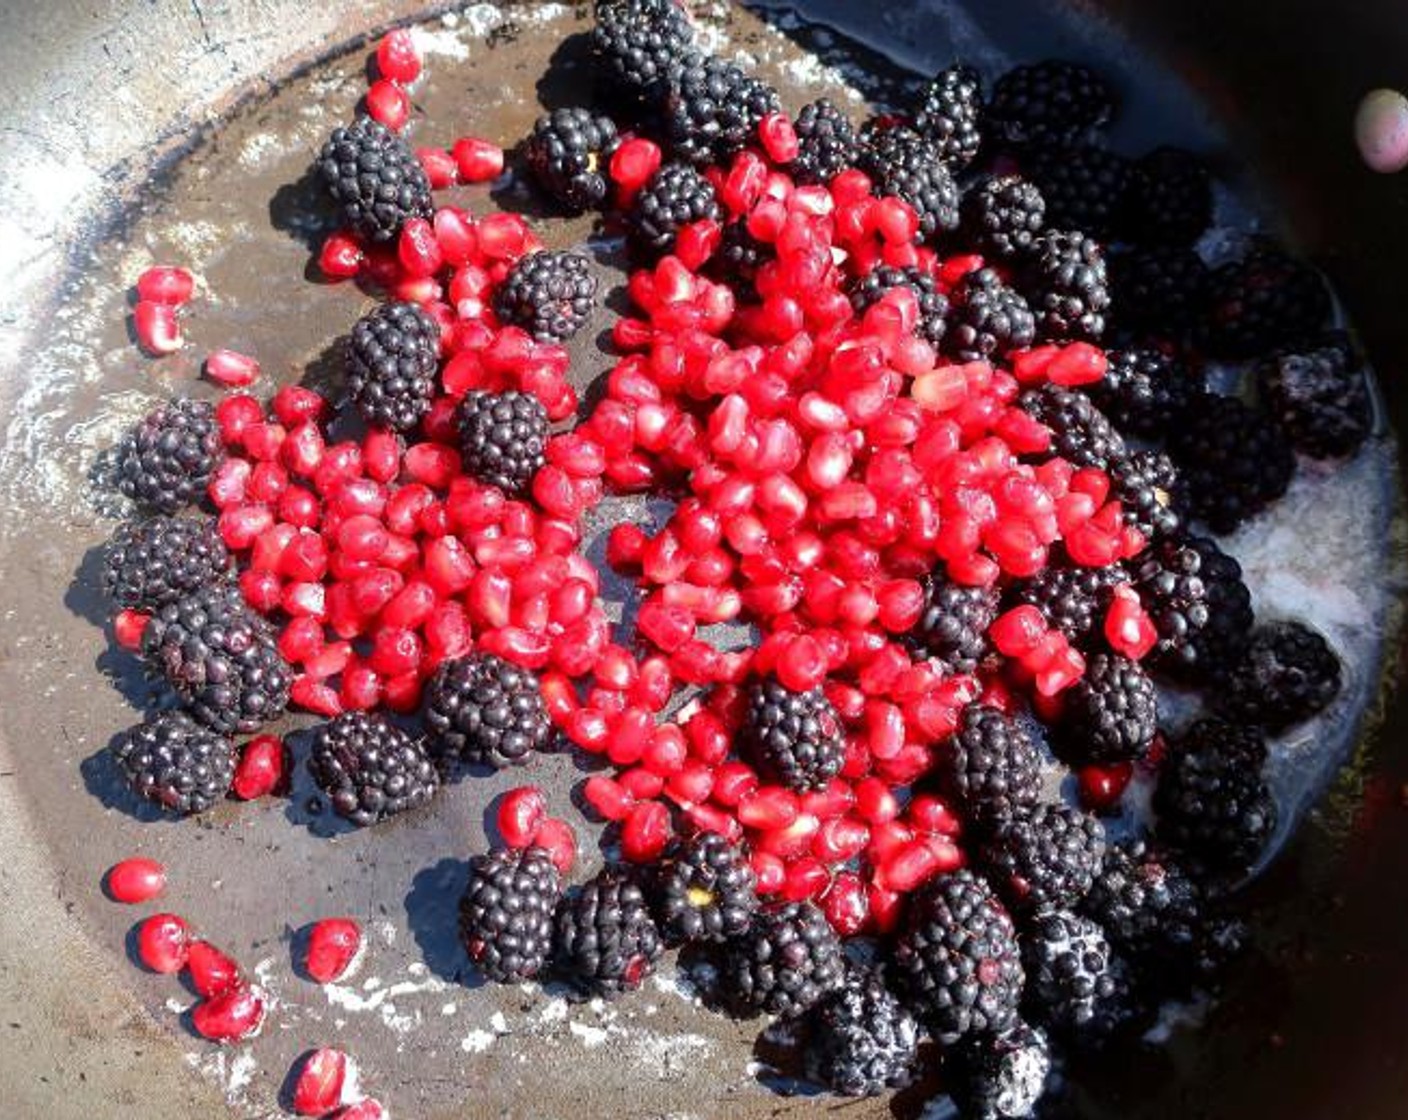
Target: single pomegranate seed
<point>646,832</point>
<point>262,769</point>
<point>367,1109</point>
<point>769,808</point>
<point>633,163</point>
<point>397,58</point>
<point>231,369</point>
<point>770,870</point>
<point>333,946</point>
<point>521,814</point>
<point>165,284</point>
<point>326,1077</point>
<point>212,972</point>
<point>778,137</point>
<point>806,878</point>
<point>158,332</point>
<point>1127,628</point>
<point>559,840</point>
<point>388,103</point>
<point>479,161</point>
<point>128,627</point>
<point>606,796</point>
<point>136,880</point>
<point>931,814</point>
<point>232,1016</point>
<point>1102,787</point>
<point>846,904</point>
<point>164,943</point>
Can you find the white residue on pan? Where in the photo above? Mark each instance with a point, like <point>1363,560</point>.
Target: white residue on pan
<point>231,1071</point>
<point>590,1036</point>
<point>477,1041</point>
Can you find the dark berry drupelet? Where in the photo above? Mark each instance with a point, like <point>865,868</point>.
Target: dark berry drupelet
<point>1066,286</point>
<point>713,110</point>
<point>1169,200</point>
<point>1265,301</point>
<point>148,564</point>
<point>952,628</point>
<point>861,1040</point>
<point>174,761</point>
<point>1320,397</point>
<point>1161,292</point>
<point>933,304</point>
<point>1145,482</point>
<point>374,178</point>
<point>793,737</point>
<point>706,891</point>
<point>1147,904</point>
<point>393,356</point>
<point>902,164</point>
<point>1084,188</point>
<point>550,294</point>
<point>957,959</point>
<point>483,709</point>
<point>165,462</point>
<point>1169,579</point>
<point>1001,1076</point>
<point>738,258</point>
<point>1003,216</point>
<point>1072,600</point>
<point>950,116</point>
<point>370,769</point>
<point>786,961</point>
<point>1110,714</point>
<point>676,196</point>
<point>988,318</point>
<point>220,657</point>
<point>503,437</point>
<point>991,766</point>
<point>1046,857</point>
<point>604,939</point>
<point>1145,392</point>
<point>636,44</point>
<point>1049,103</point>
<point>1233,461</point>
<point>1080,433</point>
<point>1211,800</point>
<point>1215,648</point>
<point>1074,982</point>
<point>506,913</point>
<point>826,143</point>
<point>1286,674</point>
<point>568,152</point>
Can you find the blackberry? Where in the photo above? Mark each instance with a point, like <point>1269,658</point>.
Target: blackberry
<point>788,958</point>
<point>861,1040</point>
<point>1072,600</point>
<point>953,626</point>
<point>988,318</point>
<point>550,294</point>
<point>1046,857</point>
<point>1110,714</point>
<point>951,113</point>
<point>1265,301</point>
<point>148,564</point>
<point>636,44</point>
<point>706,891</point>
<point>905,165</point>
<point>1320,397</point>
<point>393,357</point>
<point>506,913</point>
<point>375,179</point>
<point>604,939</point>
<point>370,769</point>
<point>1049,103</point>
<point>1000,1076</point>
<point>738,258</point>
<point>1286,674</point>
<point>165,462</point>
<point>1145,392</point>
<point>1211,800</point>
<point>1233,461</point>
<point>1084,188</point>
<point>933,305</point>
<point>1170,198</point>
<point>481,708</point>
<point>675,196</point>
<point>568,152</point>
<point>1065,284</point>
<point>1147,904</point>
<point>220,657</point>
<point>1003,216</point>
<point>175,762</point>
<point>713,110</point>
<point>991,767</point>
<point>1169,579</point>
<point>826,143</point>
<point>1074,982</point>
<point>958,959</point>
<point>1145,482</point>
<point>1160,291</point>
<point>1080,433</point>
<point>793,737</point>
<point>503,437</point>
<point>1214,649</point>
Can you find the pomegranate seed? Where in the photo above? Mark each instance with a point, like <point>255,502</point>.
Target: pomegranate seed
<point>397,58</point>
<point>367,1109</point>
<point>646,832</point>
<point>158,332</point>
<point>326,1077</point>
<point>769,808</point>
<point>479,161</point>
<point>846,904</point>
<point>212,972</point>
<point>607,797</point>
<point>1102,787</point>
<point>136,880</point>
<point>633,163</point>
<point>388,103</point>
<point>232,1016</point>
<point>262,768</point>
<point>559,840</point>
<point>341,257</point>
<point>230,369</point>
<point>521,814</point>
<point>806,878</point>
<point>769,870</point>
<point>128,627</point>
<point>164,943</point>
<point>165,284</point>
<point>333,947</point>
<point>932,815</point>
<point>778,137</point>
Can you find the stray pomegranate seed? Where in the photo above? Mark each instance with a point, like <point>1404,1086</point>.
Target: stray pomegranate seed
<point>262,769</point>
<point>633,163</point>
<point>165,284</point>
<point>232,1016</point>
<point>397,58</point>
<point>778,137</point>
<point>230,369</point>
<point>521,814</point>
<point>1102,787</point>
<point>333,946</point>
<point>326,1079</point>
<point>136,880</point>
<point>128,627</point>
<point>479,161</point>
<point>341,257</point>
<point>164,943</point>
<point>846,904</point>
<point>646,832</point>
<point>559,840</point>
<point>212,972</point>
<point>158,332</point>
<point>388,103</point>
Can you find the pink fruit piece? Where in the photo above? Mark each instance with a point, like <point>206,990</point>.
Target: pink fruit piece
<point>158,332</point>
<point>136,880</point>
<point>234,1015</point>
<point>327,1080</point>
<point>261,769</point>
<point>333,945</point>
<point>212,972</point>
<point>164,943</point>
<point>559,840</point>
<point>397,58</point>
<point>166,284</point>
<point>128,627</point>
<point>521,815</point>
<point>231,369</point>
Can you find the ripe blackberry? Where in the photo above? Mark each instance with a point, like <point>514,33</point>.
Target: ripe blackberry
<point>550,294</point>
<point>675,196</point>
<point>950,114</point>
<point>991,767</point>
<point>933,305</point>
<point>604,939</point>
<point>1080,433</point>
<point>370,769</point>
<point>1145,392</point>
<point>1145,482</point>
<point>220,657</point>
<point>174,761</point>
<point>1211,800</point>
<point>506,914</point>
<point>503,437</point>
<point>1169,579</point>
<point>1320,397</point>
<point>1066,286</point>
<point>1219,644</point>
<point>165,462</point>
<point>1084,188</point>
<point>1160,292</point>
<point>1148,905</point>
<point>393,356</point>
<point>1286,674</point>
<point>568,152</point>
<point>1072,600</point>
<point>788,958</point>
<point>1074,982</point>
<point>1169,200</point>
<point>713,110</point>
<point>1003,216</point>
<point>988,318</point>
<point>706,891</point>
<point>793,737</point>
<point>481,708</point>
<point>1233,461</point>
<point>1265,301</point>
<point>1001,1076</point>
<point>1049,103</point>
<point>375,179</point>
<point>1110,714</point>
<point>953,625</point>
<point>148,564</point>
<point>902,164</point>
<point>826,143</point>
<point>861,1040</point>
<point>958,959</point>
<point>636,44</point>
<point>1046,857</point>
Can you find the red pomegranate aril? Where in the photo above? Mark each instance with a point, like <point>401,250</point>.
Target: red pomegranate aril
<point>1102,787</point>
<point>778,137</point>
<point>846,904</point>
<point>232,1016</point>
<point>768,808</point>
<point>927,813</point>
<point>840,839</point>
<point>641,784</point>
<point>261,590</point>
<point>324,1078</point>
<point>333,946</point>
<point>262,768</point>
<point>792,841</point>
<point>164,943</point>
<point>835,799</point>
<point>396,650</point>
<point>645,832</point>
<point>304,600</point>
<point>157,329</point>
<point>556,837</point>
<point>341,257</point>
<point>402,693</point>
<point>240,526</point>
<point>212,972</point>
<point>165,284</point>
<point>128,627</point>
<point>418,250</point>
<point>806,878</point>
<point>691,784</point>
<point>733,782</point>
<point>311,694</point>
<point>388,103</point>
<point>606,796</point>
<point>479,162</point>
<point>269,547</point>
<point>135,880</point>
<point>361,687</point>
<point>367,1109</point>
<point>885,907</point>
<point>397,58</point>
<point>439,166</point>
<point>910,865</point>
<point>520,815</point>
<point>230,369</point>
<point>1127,628</point>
